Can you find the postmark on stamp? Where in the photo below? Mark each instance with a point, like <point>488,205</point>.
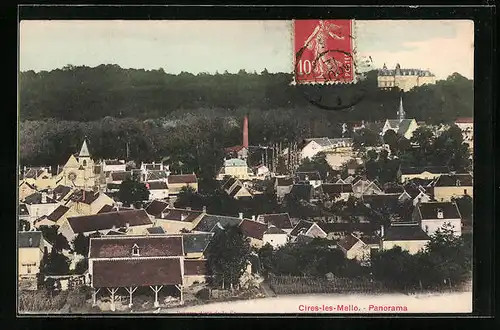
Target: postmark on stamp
<point>324,52</point>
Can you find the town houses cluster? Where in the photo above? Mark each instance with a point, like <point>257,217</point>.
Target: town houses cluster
<point>156,245</point>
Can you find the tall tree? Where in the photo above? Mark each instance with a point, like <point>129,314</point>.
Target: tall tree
<point>228,257</point>
<point>132,191</point>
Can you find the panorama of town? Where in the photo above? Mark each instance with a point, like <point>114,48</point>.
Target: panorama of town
<point>214,206</point>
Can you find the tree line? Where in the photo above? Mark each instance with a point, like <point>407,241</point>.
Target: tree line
<point>81,93</point>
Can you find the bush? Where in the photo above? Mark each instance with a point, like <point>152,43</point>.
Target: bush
<point>41,301</point>
<point>203,294</point>
<point>76,299</point>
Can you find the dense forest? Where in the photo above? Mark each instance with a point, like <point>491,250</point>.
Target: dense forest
<point>190,118</point>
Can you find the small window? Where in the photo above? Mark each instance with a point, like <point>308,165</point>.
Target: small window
<point>465,191</point>
<point>84,162</point>
<point>458,183</point>
<point>135,250</point>
<point>28,269</point>
<point>426,229</point>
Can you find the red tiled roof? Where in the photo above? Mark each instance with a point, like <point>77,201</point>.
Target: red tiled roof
<point>90,196</point>
<point>149,246</point>
<point>178,214</point>
<point>106,208</point>
<point>156,185</point>
<point>156,207</point>
<point>281,220</point>
<point>253,229</point>
<point>182,178</point>
<point>103,221</point>
<point>136,272</point>
<point>121,176</point>
<point>58,213</point>
<point>195,267</point>
<point>348,242</point>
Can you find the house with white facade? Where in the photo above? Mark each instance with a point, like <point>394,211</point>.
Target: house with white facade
<point>408,236</point>
<point>275,237</point>
<point>434,215</point>
<point>312,147</point>
<point>113,165</point>
<point>157,189</point>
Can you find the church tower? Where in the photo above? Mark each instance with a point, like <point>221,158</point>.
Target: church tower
<point>401,111</point>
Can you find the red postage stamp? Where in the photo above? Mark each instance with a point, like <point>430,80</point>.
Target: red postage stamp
<point>323,51</point>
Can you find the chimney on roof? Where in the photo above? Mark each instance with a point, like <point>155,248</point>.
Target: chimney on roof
<point>307,177</point>
<point>117,207</point>
<point>183,216</point>
<point>114,227</point>
<point>382,231</point>
<point>204,209</point>
<point>253,217</point>
<point>440,214</point>
<point>31,241</point>
<point>188,208</point>
<point>241,215</point>
<point>44,198</point>
<point>162,215</point>
<point>127,225</point>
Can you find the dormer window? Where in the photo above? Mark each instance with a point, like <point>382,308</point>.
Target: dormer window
<point>135,250</point>
<point>84,162</point>
<point>440,214</point>
<point>458,183</point>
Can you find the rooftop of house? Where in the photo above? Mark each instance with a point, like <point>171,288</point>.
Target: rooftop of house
<point>156,175</point>
<point>196,242</point>
<point>195,267</point>
<point>106,208</point>
<point>174,214</point>
<point>279,220</point>
<point>152,166</point>
<point>454,180</point>
<point>392,188</point>
<point>303,239</point>
<point>113,162</point>
<point>156,185</point>
<point>37,198</point>
<point>209,221</point>
<point>235,162</point>
<point>430,210</point>
<point>60,192</point>
<point>86,197</point>
<point>404,232</point>
<point>272,230</point>
<point>58,213</point>
<point>156,230</point>
<point>147,246</point>
<point>404,72</point>
<point>136,272</point>
<point>326,142</point>
<point>29,185</point>
<point>182,178</point>
<point>30,239</point>
<point>103,221</point>
<point>430,169</point>
<point>336,188</point>
<point>301,226</point>
<point>121,176</point>
<point>348,242</point>
<point>348,227</point>
<point>253,229</point>
<point>229,183</point>
<point>35,172</point>
<point>156,207</point>
<point>307,176</point>
<point>284,182</point>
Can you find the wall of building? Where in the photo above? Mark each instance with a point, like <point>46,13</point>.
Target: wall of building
<point>431,226</point>
<point>190,280</point>
<point>445,194</point>
<point>281,191</point>
<point>38,210</point>
<point>359,251</point>
<point>174,188</point>
<point>173,227</point>
<point>158,194</point>
<point>31,256</point>
<point>275,240</point>
<point>411,246</point>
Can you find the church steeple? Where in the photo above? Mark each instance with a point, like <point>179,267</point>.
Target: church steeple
<point>84,151</point>
<point>401,111</point>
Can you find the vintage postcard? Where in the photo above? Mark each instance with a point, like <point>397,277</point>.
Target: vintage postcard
<point>282,166</point>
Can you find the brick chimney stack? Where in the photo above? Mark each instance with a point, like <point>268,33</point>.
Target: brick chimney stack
<point>245,132</point>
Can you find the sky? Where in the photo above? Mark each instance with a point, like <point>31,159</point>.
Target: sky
<point>443,47</point>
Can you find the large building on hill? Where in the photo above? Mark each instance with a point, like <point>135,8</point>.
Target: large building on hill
<point>404,79</point>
